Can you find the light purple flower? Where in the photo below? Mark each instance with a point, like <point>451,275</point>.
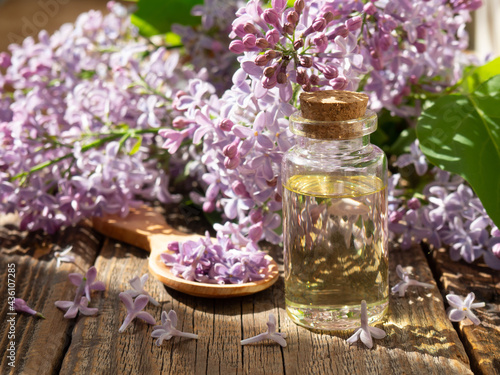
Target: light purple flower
<point>20,305</point>
<point>134,309</point>
<point>63,257</point>
<point>416,157</point>
<point>80,304</point>
<point>270,334</point>
<point>365,332</point>
<point>167,329</point>
<point>88,281</point>
<point>461,309</point>
<point>406,282</point>
<point>138,288</point>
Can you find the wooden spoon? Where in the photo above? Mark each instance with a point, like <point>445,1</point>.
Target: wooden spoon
<point>148,230</point>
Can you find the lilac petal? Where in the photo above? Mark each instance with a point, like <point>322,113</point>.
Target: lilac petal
<point>251,68</point>
<point>477,305</point>
<point>127,301</point>
<point>355,336</point>
<point>456,315</point>
<point>63,304</point>
<point>144,278</point>
<point>126,322</point>
<point>491,260</point>
<point>136,283</point>
<point>242,131</point>
<point>164,318</point>
<point>286,92</point>
<point>279,339</point>
<point>146,317</point>
<point>172,316</point>
<point>271,324</point>
<point>400,271</point>
<point>87,310</point>
<point>140,302</point>
<point>75,278</point>
<point>91,275</point>
<point>265,141</point>
<point>468,300</point>
<point>420,167</point>
<point>454,301</point>
<point>473,318</point>
<point>157,333</point>
<point>366,338</point>
<point>71,313</point>
<point>98,285</point>
<point>377,332</point>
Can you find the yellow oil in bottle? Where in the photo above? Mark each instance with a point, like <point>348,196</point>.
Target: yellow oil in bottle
<point>335,249</point>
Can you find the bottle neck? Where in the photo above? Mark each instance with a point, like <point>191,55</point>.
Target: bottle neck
<point>334,146</point>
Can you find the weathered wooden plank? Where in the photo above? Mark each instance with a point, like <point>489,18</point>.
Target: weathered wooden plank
<point>481,342</point>
<point>41,344</point>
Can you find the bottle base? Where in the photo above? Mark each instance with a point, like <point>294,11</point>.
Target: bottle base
<point>334,318</point>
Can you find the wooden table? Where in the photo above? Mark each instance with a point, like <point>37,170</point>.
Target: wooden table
<point>420,339</point>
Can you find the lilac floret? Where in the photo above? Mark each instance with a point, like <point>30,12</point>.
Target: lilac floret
<point>218,262</point>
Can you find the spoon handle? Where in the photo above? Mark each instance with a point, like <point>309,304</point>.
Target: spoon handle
<point>143,227</point>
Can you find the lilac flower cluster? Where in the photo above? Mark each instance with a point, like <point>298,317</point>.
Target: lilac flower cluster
<point>221,262</point>
<point>304,44</point>
<point>205,45</point>
<point>447,213</point>
<point>79,114</point>
<point>238,142</point>
<point>397,48</point>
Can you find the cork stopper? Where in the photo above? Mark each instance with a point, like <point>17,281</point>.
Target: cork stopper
<point>333,114</point>
<point>333,105</point>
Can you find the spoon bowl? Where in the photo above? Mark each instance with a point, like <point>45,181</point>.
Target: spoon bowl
<point>147,229</point>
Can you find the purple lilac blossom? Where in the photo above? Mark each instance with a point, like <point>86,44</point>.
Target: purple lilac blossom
<point>401,46</point>
<point>270,334</point>
<point>461,309</point>
<point>134,310</point>
<point>405,282</point>
<point>366,332</point>
<point>79,304</point>
<point>450,214</point>
<point>137,285</point>
<point>167,329</point>
<point>86,82</point>
<point>87,282</point>
<point>206,45</point>
<point>221,262</point>
<point>63,257</point>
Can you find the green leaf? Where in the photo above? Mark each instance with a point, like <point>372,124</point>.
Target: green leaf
<point>461,134</point>
<point>480,75</point>
<point>155,17</point>
<point>137,146</point>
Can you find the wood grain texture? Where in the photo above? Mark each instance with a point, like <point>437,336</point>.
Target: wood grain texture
<point>420,339</point>
<point>41,344</point>
<point>482,342</point>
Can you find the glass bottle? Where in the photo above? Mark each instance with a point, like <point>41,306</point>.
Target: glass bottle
<point>335,223</point>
